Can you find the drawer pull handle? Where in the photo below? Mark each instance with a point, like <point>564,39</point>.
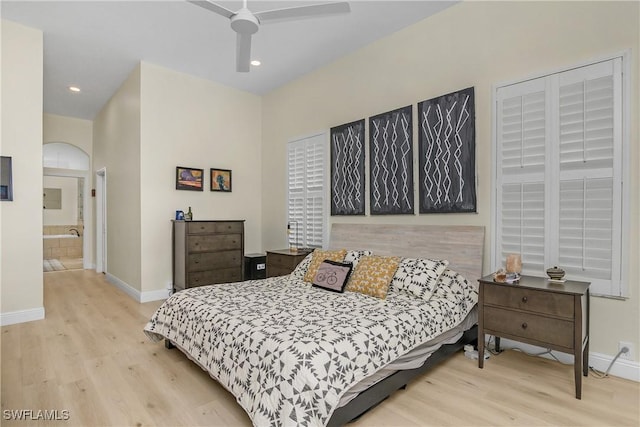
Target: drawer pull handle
<point>524,325</point>
<point>524,299</point>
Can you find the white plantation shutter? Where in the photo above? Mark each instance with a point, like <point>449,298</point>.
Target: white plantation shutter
<point>296,190</point>
<point>559,174</point>
<point>589,122</point>
<point>586,224</point>
<point>305,191</point>
<point>522,224</point>
<point>522,133</point>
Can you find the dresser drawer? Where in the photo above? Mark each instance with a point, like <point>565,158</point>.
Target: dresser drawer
<point>214,227</point>
<point>217,242</point>
<point>529,326</point>
<point>551,303</point>
<point>211,277</point>
<point>213,260</point>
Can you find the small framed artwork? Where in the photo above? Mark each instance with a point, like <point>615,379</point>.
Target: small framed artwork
<point>220,180</point>
<point>189,179</point>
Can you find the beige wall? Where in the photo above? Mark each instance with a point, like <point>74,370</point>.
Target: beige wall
<point>77,132</point>
<point>116,137</point>
<point>160,119</point>
<point>187,121</point>
<point>73,131</point>
<point>476,44</point>
<point>21,226</point>
<point>68,214</point>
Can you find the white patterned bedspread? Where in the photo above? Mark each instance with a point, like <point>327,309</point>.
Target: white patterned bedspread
<point>288,351</point>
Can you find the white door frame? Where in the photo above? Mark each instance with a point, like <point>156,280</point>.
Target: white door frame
<point>101,220</point>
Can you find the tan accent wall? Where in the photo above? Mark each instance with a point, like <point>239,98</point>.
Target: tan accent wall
<point>192,122</point>
<point>21,272</point>
<point>478,44</point>
<point>116,137</point>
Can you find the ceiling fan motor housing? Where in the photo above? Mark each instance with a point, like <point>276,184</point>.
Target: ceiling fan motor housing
<point>244,22</point>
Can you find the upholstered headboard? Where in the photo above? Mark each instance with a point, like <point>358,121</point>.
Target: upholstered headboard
<point>461,245</point>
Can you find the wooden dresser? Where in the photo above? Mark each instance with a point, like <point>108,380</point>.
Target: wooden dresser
<point>207,252</point>
<point>539,312</point>
<point>283,261</point>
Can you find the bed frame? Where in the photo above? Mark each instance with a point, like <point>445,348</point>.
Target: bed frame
<point>375,394</point>
<point>462,246</point>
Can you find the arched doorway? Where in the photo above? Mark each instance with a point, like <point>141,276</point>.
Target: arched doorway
<point>66,209</point>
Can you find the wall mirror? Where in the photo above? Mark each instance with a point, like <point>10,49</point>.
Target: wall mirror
<point>6,184</point>
<point>52,198</point>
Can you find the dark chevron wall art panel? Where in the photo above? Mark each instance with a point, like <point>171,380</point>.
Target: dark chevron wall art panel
<point>391,162</point>
<point>447,150</point>
<point>347,169</point>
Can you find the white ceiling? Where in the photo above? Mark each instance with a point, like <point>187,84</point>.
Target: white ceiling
<point>96,44</point>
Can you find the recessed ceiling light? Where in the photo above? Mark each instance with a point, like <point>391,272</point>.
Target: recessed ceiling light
<point>255,62</point>
<point>74,88</point>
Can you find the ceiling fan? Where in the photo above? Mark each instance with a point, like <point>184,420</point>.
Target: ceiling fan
<point>245,23</point>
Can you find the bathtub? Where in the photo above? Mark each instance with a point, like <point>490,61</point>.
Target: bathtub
<point>61,246</point>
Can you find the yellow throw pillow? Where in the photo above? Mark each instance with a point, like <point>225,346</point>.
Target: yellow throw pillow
<point>317,257</point>
<point>373,275</point>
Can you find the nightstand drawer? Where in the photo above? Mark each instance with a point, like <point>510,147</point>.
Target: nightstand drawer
<point>542,302</point>
<point>280,260</point>
<point>283,261</point>
<point>529,326</point>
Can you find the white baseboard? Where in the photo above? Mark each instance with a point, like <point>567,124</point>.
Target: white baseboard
<point>158,295</point>
<point>623,368</point>
<point>21,316</point>
<point>138,296</point>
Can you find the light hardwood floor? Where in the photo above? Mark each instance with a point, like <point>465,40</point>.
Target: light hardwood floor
<point>90,357</point>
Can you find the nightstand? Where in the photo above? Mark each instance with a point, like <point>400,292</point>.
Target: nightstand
<point>539,312</point>
<point>283,261</point>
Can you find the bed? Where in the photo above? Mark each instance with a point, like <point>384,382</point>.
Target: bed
<point>295,354</point>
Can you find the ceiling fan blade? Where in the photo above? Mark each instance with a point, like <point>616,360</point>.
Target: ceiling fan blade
<point>243,52</point>
<point>213,7</point>
<point>303,11</point>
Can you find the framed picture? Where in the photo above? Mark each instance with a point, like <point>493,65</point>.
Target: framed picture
<point>6,186</point>
<point>447,153</point>
<point>347,169</point>
<point>220,180</point>
<point>391,162</point>
<point>189,179</point>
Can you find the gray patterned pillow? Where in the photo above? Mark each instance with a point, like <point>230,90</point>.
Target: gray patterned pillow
<point>354,256</point>
<point>455,287</point>
<point>418,276</point>
<point>301,269</point>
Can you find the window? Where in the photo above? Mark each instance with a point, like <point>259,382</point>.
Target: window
<point>306,191</point>
<point>559,174</point>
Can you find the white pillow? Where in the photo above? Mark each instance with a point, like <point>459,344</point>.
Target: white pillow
<point>418,276</point>
<point>354,256</point>
<point>301,269</point>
